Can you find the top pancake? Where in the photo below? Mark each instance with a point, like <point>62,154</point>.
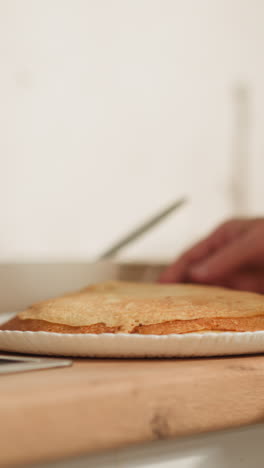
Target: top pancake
<point>129,305</point>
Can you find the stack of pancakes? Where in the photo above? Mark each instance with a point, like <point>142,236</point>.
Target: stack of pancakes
<point>156,309</point>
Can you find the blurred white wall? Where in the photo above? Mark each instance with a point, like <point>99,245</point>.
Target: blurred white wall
<point>109,109</point>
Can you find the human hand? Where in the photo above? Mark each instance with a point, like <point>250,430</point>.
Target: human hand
<point>232,256</point>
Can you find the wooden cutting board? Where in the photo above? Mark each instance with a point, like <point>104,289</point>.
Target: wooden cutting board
<point>101,404</point>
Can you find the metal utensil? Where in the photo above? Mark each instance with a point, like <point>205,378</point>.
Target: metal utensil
<point>142,229</point>
<point>17,363</point>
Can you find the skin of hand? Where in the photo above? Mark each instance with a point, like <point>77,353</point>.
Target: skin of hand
<point>231,256</point>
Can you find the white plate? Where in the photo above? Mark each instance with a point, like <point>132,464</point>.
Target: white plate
<point>130,346</point>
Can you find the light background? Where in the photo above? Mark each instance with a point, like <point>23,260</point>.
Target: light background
<point>109,109</point>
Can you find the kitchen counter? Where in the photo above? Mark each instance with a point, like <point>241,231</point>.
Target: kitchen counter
<point>102,404</point>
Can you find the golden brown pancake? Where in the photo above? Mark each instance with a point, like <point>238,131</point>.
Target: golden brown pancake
<point>156,309</point>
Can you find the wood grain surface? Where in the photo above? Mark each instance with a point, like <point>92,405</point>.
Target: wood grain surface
<point>101,404</point>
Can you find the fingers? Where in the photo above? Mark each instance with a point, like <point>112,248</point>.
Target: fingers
<point>222,257</point>
<point>226,260</point>
<point>252,281</point>
<point>179,270</point>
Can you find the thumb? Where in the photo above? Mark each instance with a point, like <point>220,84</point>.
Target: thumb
<point>225,260</point>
